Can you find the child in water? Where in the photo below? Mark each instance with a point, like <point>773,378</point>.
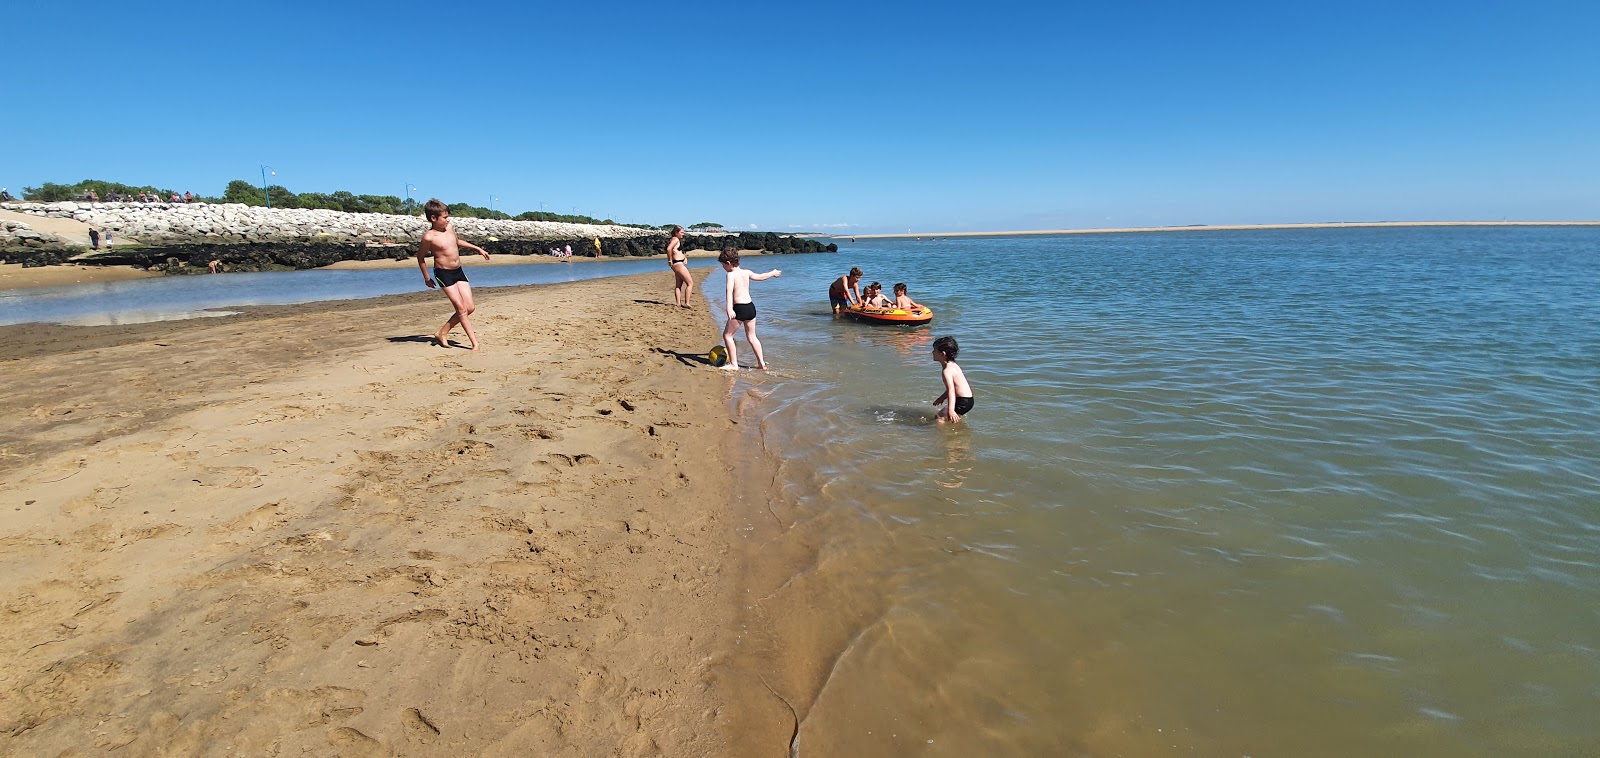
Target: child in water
<point>956,390</point>
<point>873,297</point>
<point>905,303</point>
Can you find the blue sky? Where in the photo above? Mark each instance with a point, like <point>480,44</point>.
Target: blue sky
<point>831,116</point>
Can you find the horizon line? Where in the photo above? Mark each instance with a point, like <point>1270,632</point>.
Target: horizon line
<point>1213,228</point>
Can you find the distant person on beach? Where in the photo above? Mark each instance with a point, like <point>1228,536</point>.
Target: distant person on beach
<point>440,241</point>
<point>957,395</point>
<point>175,198</point>
<point>5,195</point>
<point>188,198</point>
<point>214,265</point>
<point>845,292</point>
<point>678,261</point>
<point>741,308</point>
<point>904,301</point>
<point>94,238</point>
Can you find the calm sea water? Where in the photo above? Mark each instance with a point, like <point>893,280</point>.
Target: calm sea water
<point>1298,492</point>
<point>180,297</point>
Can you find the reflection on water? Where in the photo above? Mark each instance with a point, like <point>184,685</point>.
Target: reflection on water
<point>1256,493</point>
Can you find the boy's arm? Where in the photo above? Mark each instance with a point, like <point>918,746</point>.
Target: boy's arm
<point>463,243</point>
<point>766,276</point>
<point>727,295</point>
<point>422,254</point>
<point>941,397</point>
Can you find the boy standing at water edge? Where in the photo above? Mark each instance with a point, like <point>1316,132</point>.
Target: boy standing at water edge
<point>440,241</point>
<point>740,307</point>
<point>956,389</point>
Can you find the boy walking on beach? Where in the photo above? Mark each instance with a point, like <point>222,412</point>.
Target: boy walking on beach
<point>956,390</point>
<point>740,307</point>
<point>440,241</point>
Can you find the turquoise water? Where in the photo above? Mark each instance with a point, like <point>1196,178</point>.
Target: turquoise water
<point>1296,492</point>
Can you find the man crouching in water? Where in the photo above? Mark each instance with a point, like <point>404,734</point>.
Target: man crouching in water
<point>440,241</point>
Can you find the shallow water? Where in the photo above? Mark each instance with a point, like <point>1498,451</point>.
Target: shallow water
<point>168,298</point>
<point>1294,492</point>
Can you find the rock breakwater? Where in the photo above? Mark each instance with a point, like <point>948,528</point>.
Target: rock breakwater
<point>172,236</point>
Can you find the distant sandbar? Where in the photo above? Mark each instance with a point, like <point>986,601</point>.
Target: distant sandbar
<point>1216,228</point>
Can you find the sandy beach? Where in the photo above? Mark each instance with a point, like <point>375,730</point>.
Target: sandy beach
<point>14,277</point>
<point>306,530</point>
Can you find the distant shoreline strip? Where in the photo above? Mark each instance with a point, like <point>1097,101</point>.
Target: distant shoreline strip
<point>1219,228</point>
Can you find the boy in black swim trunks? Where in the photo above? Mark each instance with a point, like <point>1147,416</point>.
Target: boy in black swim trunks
<point>440,241</point>
<point>956,389</point>
<point>740,307</point>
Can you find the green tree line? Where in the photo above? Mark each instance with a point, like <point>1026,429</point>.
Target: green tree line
<point>244,192</point>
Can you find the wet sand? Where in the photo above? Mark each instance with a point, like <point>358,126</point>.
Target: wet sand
<point>14,277</point>
<point>308,530</point>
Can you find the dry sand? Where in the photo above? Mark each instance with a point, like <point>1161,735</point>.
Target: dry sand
<point>307,531</point>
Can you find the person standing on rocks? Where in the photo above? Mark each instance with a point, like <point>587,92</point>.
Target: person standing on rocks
<point>441,242</point>
<point>678,261</point>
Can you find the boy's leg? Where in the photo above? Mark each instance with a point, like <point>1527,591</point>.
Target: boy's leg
<point>460,295</point>
<point>733,350</point>
<point>755,344</point>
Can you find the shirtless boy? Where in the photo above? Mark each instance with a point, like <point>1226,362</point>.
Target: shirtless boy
<point>957,395</point>
<point>844,291</point>
<point>441,242</point>
<point>903,301</point>
<point>740,307</point>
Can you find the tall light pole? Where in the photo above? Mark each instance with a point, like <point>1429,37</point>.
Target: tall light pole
<point>409,187</point>
<point>264,191</point>
<point>492,198</point>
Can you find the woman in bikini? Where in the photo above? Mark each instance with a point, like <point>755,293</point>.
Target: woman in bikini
<point>678,261</point>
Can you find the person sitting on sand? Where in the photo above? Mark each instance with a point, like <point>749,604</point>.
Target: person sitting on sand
<point>875,297</point>
<point>441,242</point>
<point>844,291</point>
<point>904,301</point>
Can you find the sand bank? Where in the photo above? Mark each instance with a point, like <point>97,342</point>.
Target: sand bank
<point>307,531</point>
<point>1205,228</point>
<point>517,260</point>
<point>14,277</point>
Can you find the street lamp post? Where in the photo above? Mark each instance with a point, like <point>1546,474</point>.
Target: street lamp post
<point>409,187</point>
<point>267,193</point>
<point>492,198</point>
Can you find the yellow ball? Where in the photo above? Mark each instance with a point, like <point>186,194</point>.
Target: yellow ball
<point>718,356</point>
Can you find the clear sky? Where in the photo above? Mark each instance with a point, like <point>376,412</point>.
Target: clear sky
<point>844,117</point>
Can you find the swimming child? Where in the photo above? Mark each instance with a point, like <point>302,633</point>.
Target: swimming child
<point>904,301</point>
<point>740,307</point>
<point>956,390</point>
<point>843,293</point>
<point>440,241</point>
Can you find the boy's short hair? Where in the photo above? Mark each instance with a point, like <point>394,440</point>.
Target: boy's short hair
<point>435,208</point>
<point>729,255</point>
<point>874,286</point>
<point>948,346</point>
<point>855,272</point>
<point>899,288</point>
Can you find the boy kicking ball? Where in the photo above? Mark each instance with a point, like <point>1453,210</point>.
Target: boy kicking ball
<point>741,309</point>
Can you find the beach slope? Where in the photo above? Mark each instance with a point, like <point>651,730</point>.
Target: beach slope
<point>308,531</point>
